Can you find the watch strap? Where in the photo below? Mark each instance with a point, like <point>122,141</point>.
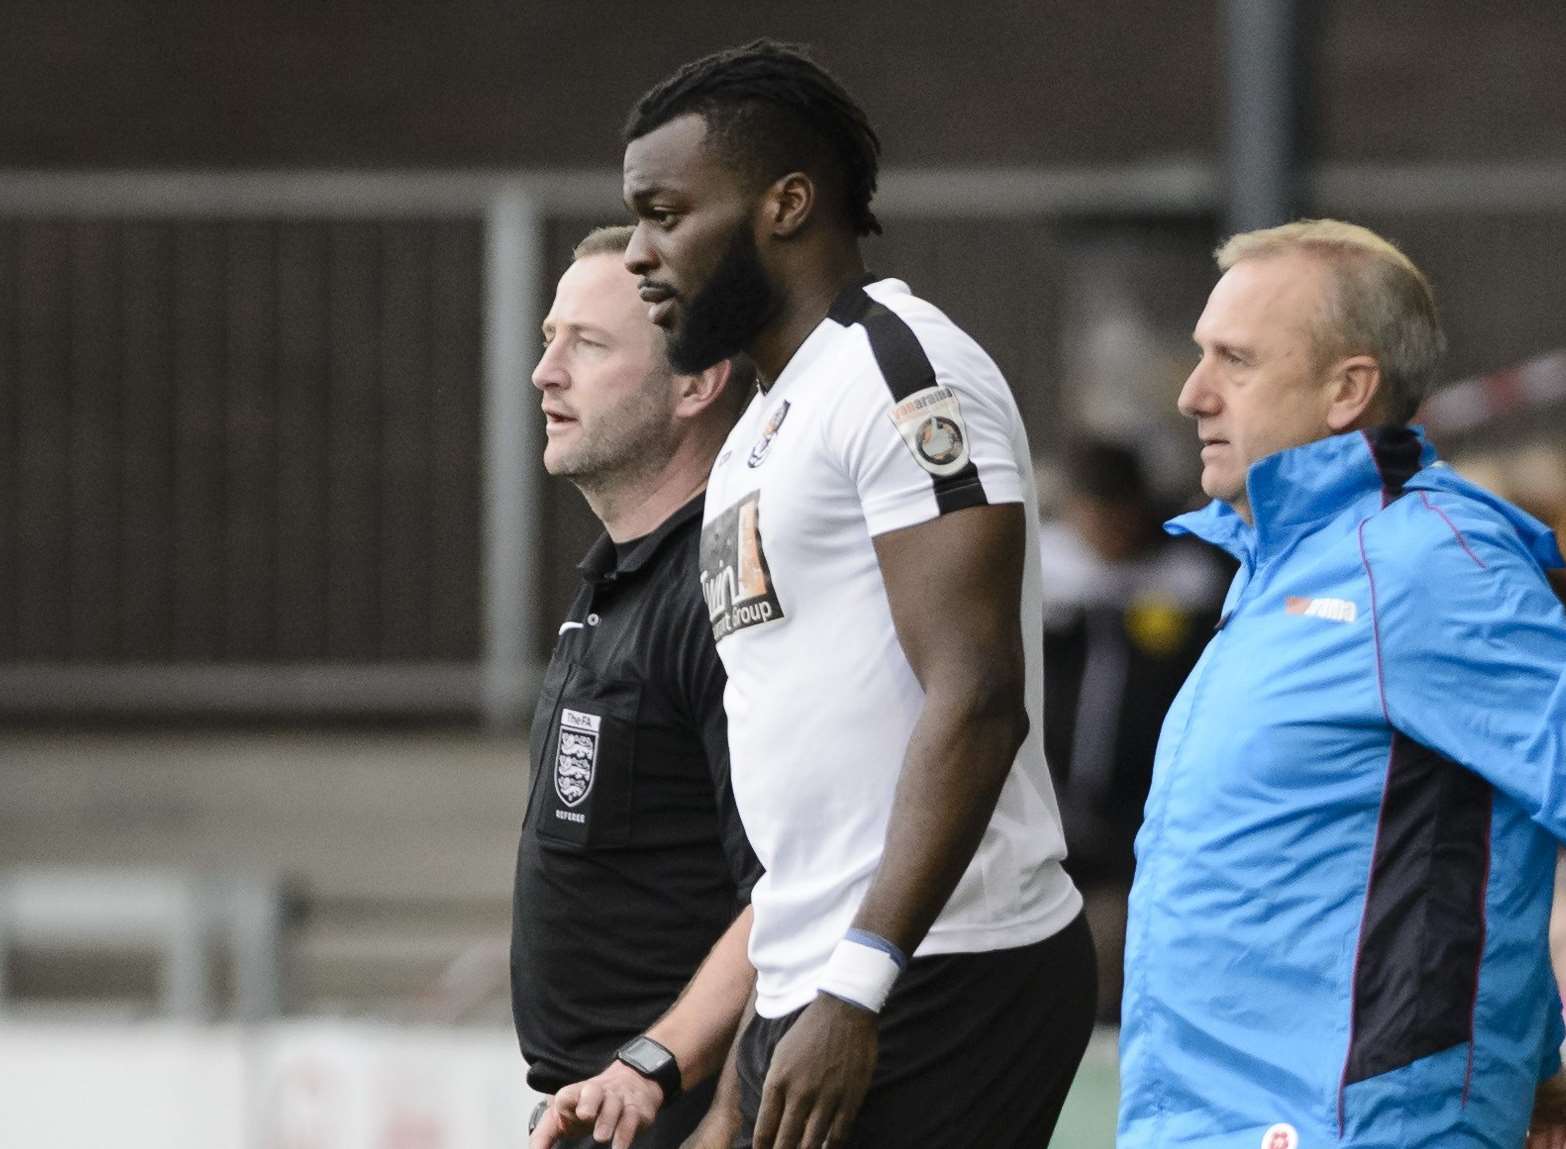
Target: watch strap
<point>666,1072</point>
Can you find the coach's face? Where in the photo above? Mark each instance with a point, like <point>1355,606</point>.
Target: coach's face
<point>695,250</point>
<point>606,384</point>
<point>1258,387</point>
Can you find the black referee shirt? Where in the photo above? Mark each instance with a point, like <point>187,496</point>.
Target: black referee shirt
<point>632,860</point>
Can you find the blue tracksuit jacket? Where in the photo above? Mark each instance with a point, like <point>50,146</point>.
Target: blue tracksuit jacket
<point>1338,925</point>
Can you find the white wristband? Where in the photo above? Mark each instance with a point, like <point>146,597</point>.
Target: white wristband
<point>860,974</point>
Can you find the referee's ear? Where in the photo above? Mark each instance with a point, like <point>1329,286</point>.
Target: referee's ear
<point>719,393</point>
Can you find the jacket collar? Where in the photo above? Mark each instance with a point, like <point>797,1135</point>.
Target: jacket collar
<point>600,565</point>
<point>1292,492</point>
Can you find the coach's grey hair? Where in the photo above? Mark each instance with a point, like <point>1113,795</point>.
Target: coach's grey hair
<point>1382,304</point>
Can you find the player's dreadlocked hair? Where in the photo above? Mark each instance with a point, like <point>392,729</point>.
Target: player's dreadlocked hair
<point>770,107</point>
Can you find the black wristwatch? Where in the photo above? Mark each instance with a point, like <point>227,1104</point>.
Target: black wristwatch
<point>653,1062</point>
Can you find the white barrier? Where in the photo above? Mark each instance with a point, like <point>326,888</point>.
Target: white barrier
<point>319,1085</point>
<point>290,1085</point>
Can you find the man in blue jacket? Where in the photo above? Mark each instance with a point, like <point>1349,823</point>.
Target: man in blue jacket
<point>1338,924</point>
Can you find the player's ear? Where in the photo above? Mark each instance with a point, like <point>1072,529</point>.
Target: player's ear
<point>788,204</point>
<point>1355,391</point>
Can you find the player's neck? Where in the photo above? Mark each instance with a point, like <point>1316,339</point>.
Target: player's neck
<point>809,293</point>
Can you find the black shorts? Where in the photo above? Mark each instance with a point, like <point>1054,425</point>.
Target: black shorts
<point>977,1050</point>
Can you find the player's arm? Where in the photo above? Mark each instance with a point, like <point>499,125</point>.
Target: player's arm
<point>955,585</point>
<point>955,588</point>
<point>698,1029</point>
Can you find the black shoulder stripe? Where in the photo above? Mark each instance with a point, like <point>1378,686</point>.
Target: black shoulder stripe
<point>904,365</point>
<point>906,369</point>
<point>850,306</point>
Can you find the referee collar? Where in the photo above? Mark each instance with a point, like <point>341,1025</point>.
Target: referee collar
<point>600,566</point>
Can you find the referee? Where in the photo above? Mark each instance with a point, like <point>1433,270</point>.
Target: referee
<point>633,866</point>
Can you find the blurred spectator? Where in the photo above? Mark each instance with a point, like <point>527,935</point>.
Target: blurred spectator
<point>1127,611</point>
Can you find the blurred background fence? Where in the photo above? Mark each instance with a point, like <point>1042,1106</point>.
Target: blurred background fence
<point>272,440</point>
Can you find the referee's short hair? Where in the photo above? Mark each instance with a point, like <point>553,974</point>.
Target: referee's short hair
<point>773,110</point>
<point>613,239</point>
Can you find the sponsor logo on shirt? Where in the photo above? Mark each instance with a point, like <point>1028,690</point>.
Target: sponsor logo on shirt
<point>930,422</point>
<point>576,758</point>
<point>758,453</point>
<point>734,575</point>
<point>1281,1136</point>
<point>1331,609</point>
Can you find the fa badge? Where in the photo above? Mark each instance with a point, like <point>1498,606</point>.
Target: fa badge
<point>758,453</point>
<point>1281,1136</point>
<point>576,756</point>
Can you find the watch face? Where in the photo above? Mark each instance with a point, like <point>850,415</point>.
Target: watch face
<point>645,1054</point>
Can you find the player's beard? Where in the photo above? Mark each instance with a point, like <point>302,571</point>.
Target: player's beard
<point>730,309</point>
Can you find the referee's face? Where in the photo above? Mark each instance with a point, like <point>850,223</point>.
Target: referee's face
<point>604,377</point>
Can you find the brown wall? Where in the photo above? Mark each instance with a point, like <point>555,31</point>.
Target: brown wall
<point>244,442</point>
<point>136,83</point>
<point>1402,81</point>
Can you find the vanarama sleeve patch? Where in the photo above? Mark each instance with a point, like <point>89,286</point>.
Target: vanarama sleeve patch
<point>930,422</point>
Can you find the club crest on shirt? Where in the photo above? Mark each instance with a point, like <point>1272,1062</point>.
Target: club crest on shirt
<point>758,453</point>
<point>576,756</point>
<point>930,422</point>
<point>735,579</point>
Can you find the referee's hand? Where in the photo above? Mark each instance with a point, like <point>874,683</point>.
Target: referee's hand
<point>819,1076</point>
<point>614,1107</point>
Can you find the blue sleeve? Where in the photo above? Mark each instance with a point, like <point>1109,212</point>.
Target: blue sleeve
<point>1472,643</point>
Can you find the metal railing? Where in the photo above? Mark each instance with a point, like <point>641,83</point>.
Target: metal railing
<point>514,210</point>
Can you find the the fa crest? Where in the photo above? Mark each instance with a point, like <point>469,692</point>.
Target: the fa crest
<point>576,756</point>
<point>1281,1136</point>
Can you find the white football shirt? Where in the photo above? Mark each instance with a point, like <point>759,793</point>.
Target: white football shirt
<point>888,415</point>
